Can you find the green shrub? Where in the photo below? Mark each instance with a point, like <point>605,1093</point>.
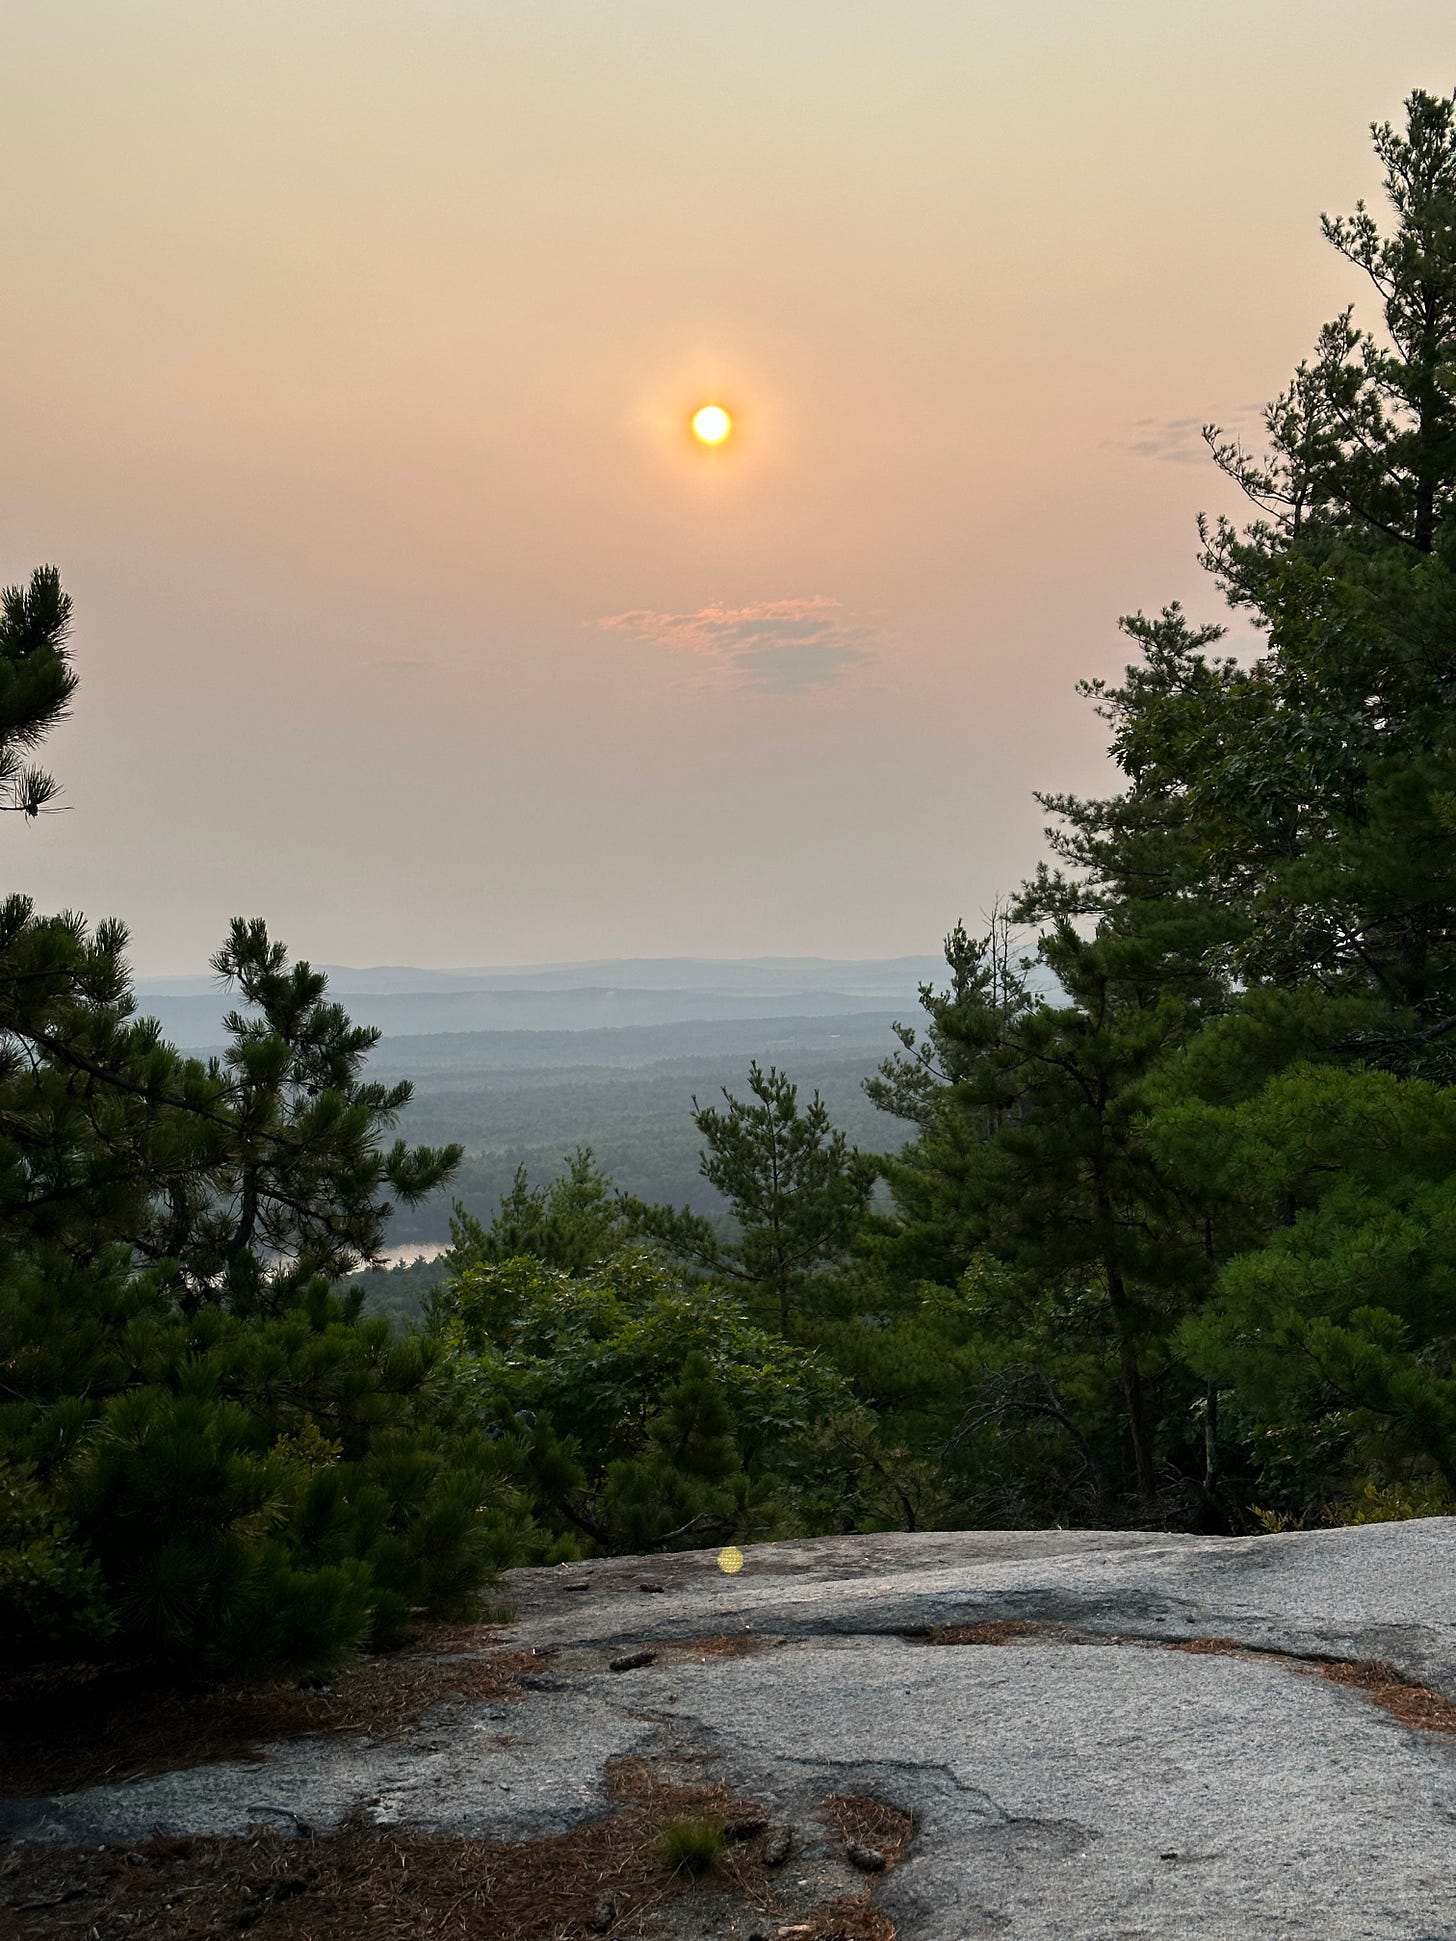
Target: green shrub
<point>229,1493</point>
<point>646,1414</point>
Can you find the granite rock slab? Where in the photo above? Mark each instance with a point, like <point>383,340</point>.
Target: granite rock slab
<point>1080,1778</point>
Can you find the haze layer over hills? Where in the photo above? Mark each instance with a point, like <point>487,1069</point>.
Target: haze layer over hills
<point>402,1001</point>
<point>522,1065</point>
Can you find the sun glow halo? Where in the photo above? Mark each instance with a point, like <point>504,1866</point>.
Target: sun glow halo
<point>711,424</point>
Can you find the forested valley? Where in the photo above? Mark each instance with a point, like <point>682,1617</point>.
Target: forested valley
<point>1171,1242</point>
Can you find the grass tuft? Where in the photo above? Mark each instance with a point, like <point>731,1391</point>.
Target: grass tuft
<point>692,1846</point>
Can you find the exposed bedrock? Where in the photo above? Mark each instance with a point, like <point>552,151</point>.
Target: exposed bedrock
<point>1068,1774</point>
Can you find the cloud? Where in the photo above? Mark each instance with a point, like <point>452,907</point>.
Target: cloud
<point>780,646</point>
<point>1180,441</point>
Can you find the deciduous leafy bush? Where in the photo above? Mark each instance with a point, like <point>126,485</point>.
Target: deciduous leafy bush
<point>647,1414</point>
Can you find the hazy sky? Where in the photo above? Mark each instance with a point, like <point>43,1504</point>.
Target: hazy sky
<point>346,358</point>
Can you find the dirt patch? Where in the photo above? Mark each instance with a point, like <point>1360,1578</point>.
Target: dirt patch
<point>868,1823</point>
<point>869,1831</point>
<point>1411,1703</point>
<point>68,1730</point>
<point>1218,1648</point>
<point>728,1644</point>
<point>994,1631</point>
<point>847,1920</point>
<point>609,1876</point>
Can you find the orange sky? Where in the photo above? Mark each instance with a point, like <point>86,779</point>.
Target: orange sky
<point>348,350</point>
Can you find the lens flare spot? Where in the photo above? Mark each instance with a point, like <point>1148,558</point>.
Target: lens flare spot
<point>730,1560</point>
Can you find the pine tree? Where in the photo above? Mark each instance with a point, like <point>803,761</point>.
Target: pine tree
<point>1032,1185</point>
<point>795,1187</point>
<point>1275,882</point>
<point>242,1177</point>
<point>575,1223</point>
<point>210,1462</point>
<point>36,684</point>
<point>1307,798</point>
<point>1284,828</point>
<point>942,1082</point>
<point>1336,1330</point>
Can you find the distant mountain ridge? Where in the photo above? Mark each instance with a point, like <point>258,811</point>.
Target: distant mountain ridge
<point>634,1046</point>
<point>846,975</point>
<point>410,1002</point>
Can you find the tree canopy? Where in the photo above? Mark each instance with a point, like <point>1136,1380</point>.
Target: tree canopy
<point>1255,929</point>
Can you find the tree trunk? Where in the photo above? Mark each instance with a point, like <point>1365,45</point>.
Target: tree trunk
<point>1132,1380</point>
<point>1132,1396</point>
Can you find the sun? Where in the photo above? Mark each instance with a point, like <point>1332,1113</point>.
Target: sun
<point>711,424</point>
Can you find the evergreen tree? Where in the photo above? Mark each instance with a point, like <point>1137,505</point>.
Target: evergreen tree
<point>942,1082</point>
<point>1304,804</point>
<point>575,1223</point>
<point>1274,882</point>
<point>1336,1331</point>
<point>1033,1188</point>
<point>243,1177</point>
<point>36,684</point>
<point>795,1187</point>
<point>234,1493</point>
<point>1306,798</point>
<point>209,1462</point>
